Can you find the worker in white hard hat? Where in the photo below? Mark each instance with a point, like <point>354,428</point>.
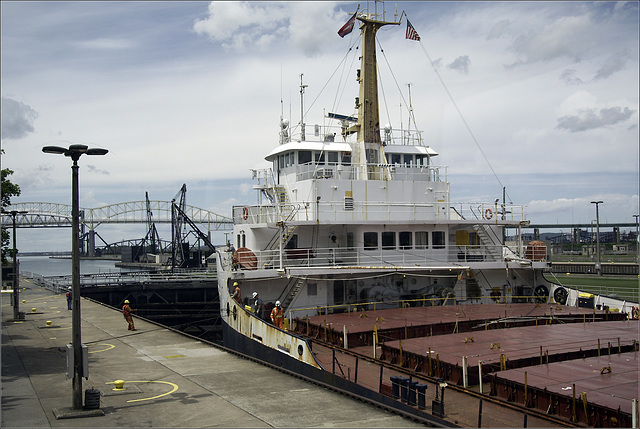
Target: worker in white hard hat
<point>258,307</point>
<point>277,315</point>
<point>126,311</point>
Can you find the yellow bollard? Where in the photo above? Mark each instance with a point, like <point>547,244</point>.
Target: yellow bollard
<point>48,322</point>
<point>119,384</point>
<point>24,301</point>
<point>33,310</point>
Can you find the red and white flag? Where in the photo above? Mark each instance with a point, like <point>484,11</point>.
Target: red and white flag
<point>348,27</point>
<point>412,34</point>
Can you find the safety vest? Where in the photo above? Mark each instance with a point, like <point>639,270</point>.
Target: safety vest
<point>277,315</point>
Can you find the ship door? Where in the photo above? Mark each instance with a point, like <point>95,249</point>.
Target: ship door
<point>338,292</point>
<point>441,197</point>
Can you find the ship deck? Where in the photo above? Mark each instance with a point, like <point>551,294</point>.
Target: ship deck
<point>558,346</point>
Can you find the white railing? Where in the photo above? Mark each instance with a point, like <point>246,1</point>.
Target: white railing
<point>398,172</point>
<point>384,258</point>
<point>334,211</point>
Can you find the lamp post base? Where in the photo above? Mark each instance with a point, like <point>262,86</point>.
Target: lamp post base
<point>72,413</point>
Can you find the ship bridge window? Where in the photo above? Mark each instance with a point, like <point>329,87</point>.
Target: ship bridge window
<point>319,157</point>
<point>422,239</point>
<point>395,158</point>
<point>408,159</point>
<point>370,240</point>
<point>346,158</point>
<point>281,161</point>
<point>333,157</point>
<point>421,160</point>
<point>404,238</point>
<point>388,240</point>
<point>304,157</point>
<point>438,239</point>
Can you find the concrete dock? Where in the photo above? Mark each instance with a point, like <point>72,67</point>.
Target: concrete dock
<point>171,380</point>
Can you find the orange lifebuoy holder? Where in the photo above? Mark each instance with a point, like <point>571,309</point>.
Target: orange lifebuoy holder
<point>635,313</point>
<point>245,213</point>
<point>488,214</point>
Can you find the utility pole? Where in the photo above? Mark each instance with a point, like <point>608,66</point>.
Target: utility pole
<point>598,266</point>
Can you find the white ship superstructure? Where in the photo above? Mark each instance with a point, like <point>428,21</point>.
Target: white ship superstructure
<point>352,215</point>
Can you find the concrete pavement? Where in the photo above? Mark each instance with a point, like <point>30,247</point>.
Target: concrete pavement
<point>170,380</point>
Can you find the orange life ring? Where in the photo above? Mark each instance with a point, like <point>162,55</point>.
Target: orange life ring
<point>488,214</point>
<point>245,213</point>
<point>635,313</point>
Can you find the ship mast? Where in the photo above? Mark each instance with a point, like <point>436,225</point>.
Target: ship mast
<point>369,153</point>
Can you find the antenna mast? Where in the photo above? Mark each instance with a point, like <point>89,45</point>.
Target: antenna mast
<point>302,87</point>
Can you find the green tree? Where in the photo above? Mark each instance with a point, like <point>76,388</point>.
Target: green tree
<point>9,190</point>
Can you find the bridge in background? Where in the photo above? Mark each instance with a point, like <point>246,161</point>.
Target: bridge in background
<point>47,215</point>
<point>52,215</point>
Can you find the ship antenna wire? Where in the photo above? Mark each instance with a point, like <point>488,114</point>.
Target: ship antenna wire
<point>455,105</point>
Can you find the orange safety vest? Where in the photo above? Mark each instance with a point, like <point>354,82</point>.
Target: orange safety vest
<point>126,310</point>
<point>277,316</point>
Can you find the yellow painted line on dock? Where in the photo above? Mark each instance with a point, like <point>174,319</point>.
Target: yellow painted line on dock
<point>173,356</point>
<point>175,387</point>
<point>109,347</point>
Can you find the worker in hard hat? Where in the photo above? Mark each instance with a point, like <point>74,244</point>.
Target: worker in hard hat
<point>258,306</point>
<point>126,311</point>
<point>277,315</point>
<point>236,293</point>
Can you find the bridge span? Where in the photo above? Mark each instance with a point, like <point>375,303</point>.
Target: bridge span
<point>47,215</point>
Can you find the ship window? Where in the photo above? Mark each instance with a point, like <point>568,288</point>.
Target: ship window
<point>438,239</point>
<point>281,159</point>
<point>304,156</point>
<point>346,159</point>
<point>422,239</point>
<point>370,240</point>
<point>333,157</point>
<point>312,289</point>
<point>395,158</point>
<point>350,240</point>
<point>405,239</point>
<point>388,240</point>
<point>408,159</point>
<point>474,239</point>
<point>319,157</point>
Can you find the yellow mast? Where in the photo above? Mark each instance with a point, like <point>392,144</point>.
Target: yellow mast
<point>369,153</point>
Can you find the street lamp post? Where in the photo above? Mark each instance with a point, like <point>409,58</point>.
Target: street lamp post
<point>74,152</point>
<point>637,240</point>
<point>16,275</point>
<point>598,267</point>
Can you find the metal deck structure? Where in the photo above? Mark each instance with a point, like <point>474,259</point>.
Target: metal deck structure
<point>455,344</point>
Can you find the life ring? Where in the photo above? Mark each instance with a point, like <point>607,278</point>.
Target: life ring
<point>635,313</point>
<point>488,214</point>
<point>245,213</point>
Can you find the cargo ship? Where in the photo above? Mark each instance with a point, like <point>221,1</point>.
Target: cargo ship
<point>354,223</point>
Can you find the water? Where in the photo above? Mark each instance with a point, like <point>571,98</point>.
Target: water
<point>47,266</point>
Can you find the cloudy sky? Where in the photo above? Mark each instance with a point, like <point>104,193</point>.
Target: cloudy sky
<point>538,97</point>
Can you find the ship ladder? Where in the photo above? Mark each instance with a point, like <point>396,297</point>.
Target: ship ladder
<point>299,282</point>
<point>490,250</point>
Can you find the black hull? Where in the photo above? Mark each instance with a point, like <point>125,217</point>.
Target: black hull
<point>264,354</point>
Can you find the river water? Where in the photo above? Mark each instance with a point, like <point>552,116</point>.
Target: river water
<point>47,266</point>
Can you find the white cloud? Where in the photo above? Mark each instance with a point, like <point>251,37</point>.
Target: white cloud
<point>17,119</point>
<point>190,92</point>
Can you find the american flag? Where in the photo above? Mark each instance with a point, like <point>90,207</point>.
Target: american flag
<point>412,34</point>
